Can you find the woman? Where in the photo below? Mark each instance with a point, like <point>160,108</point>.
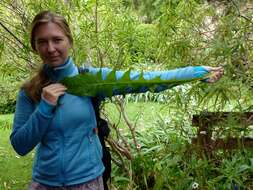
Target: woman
<point>60,125</point>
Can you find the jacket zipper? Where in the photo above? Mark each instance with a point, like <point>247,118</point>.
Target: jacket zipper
<point>62,149</point>
<point>62,160</point>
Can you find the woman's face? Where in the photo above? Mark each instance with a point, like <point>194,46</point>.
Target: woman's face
<point>51,44</point>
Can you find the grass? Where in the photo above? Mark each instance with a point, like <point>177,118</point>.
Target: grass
<point>6,121</point>
<point>15,171</point>
<point>142,114</point>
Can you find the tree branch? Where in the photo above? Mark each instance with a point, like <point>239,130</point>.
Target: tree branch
<point>13,35</point>
<point>99,54</point>
<point>129,124</point>
<point>238,11</point>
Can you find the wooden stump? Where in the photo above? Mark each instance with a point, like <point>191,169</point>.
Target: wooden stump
<point>205,122</point>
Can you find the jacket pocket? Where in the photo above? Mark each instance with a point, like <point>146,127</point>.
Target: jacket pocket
<point>84,156</point>
<point>47,162</point>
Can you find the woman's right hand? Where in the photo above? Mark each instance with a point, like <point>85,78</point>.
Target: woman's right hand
<point>216,73</point>
<point>52,92</point>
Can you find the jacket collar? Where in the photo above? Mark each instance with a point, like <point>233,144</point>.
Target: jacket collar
<point>68,69</point>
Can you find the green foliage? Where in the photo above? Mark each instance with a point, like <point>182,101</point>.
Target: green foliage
<point>150,35</point>
<point>87,84</point>
<point>15,172</point>
<point>166,161</point>
<point>6,121</point>
<point>8,95</point>
<point>8,107</point>
<point>233,170</point>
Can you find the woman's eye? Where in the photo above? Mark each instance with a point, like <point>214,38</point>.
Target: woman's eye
<point>58,40</point>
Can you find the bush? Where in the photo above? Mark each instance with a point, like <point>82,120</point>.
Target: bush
<point>8,107</point>
<point>8,92</point>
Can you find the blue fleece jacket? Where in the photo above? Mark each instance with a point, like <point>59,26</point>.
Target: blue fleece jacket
<point>68,150</point>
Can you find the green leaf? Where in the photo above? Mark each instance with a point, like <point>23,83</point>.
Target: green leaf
<point>243,167</point>
<point>87,84</point>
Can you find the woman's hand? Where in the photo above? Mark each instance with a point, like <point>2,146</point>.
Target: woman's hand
<point>215,73</point>
<point>52,92</point>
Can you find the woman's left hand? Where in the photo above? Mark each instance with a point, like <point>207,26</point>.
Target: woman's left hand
<point>215,73</point>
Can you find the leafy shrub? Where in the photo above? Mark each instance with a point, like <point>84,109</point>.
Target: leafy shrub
<point>7,107</point>
<point>168,161</point>
<point>8,92</point>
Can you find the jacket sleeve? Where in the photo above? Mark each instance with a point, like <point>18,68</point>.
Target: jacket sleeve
<point>191,72</point>
<point>30,123</point>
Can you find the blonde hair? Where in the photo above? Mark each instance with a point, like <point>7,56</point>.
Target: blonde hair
<point>34,86</point>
